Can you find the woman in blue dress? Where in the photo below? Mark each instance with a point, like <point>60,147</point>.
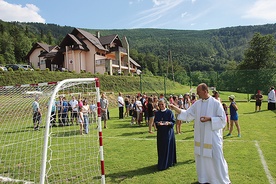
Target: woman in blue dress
<point>166,147</point>
<point>233,116</point>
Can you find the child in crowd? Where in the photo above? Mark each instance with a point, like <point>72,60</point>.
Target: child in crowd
<point>81,120</point>
<point>227,117</point>
<point>93,110</point>
<point>132,111</point>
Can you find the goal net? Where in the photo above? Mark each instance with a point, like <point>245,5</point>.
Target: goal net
<point>42,137</point>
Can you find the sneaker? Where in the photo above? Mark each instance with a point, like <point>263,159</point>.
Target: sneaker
<point>228,135</point>
<point>239,135</point>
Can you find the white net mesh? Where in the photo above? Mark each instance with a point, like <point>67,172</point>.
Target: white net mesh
<point>71,158</point>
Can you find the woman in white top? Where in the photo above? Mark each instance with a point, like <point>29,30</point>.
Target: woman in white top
<point>86,111</point>
<point>139,111</point>
<point>179,104</point>
<point>186,103</point>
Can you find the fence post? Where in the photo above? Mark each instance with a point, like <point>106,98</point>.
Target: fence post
<point>141,91</point>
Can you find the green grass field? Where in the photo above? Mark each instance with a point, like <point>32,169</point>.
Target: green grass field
<point>130,154</point>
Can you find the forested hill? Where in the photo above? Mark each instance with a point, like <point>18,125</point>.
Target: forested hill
<point>200,50</point>
<point>205,50</point>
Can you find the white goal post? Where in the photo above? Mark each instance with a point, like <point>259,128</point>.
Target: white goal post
<point>49,144</point>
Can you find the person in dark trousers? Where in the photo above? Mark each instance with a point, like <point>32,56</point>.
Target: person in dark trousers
<point>259,99</point>
<point>121,105</point>
<point>166,147</point>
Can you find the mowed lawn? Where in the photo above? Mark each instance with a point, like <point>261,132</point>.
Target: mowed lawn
<point>131,156</point>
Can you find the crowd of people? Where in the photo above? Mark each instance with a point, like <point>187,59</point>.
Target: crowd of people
<point>209,114</point>
<point>68,112</point>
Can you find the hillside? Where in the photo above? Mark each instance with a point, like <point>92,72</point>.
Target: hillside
<point>127,84</point>
<point>207,50</point>
<point>200,50</point>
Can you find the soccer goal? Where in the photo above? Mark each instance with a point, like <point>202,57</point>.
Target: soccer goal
<point>48,144</point>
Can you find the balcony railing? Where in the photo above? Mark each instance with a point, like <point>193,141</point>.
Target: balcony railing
<point>121,49</point>
<point>115,62</point>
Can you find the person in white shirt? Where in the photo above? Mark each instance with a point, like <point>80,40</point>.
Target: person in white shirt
<point>271,99</point>
<point>209,121</point>
<point>36,114</point>
<point>74,113</point>
<point>104,109</point>
<point>93,110</point>
<point>86,111</point>
<point>139,111</point>
<point>121,104</point>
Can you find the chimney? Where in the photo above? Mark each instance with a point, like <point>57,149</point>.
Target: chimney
<point>98,34</point>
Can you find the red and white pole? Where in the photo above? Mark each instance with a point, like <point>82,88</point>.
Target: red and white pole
<point>100,130</point>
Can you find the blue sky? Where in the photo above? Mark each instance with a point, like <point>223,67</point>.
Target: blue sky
<point>129,14</point>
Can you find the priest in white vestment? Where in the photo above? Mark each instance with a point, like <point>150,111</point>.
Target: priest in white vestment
<point>209,121</point>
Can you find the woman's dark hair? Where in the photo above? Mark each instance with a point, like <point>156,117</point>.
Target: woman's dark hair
<point>150,99</point>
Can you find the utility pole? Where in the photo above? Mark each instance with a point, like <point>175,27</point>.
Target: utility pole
<point>168,64</point>
<point>165,89</point>
<point>170,55</point>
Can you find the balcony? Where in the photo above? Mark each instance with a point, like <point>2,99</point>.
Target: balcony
<point>120,49</point>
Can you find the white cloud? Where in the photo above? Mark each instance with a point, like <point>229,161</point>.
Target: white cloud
<point>159,2</point>
<point>17,12</point>
<point>184,14</point>
<point>262,9</point>
<point>160,9</point>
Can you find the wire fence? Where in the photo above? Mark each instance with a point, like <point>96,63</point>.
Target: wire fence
<point>245,81</point>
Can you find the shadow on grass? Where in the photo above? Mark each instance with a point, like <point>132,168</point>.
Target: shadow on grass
<point>125,124</point>
<point>25,129</point>
<point>18,131</point>
<point>134,133</point>
<point>120,176</point>
<point>66,134</point>
<point>188,138</point>
<point>229,137</point>
<point>187,131</point>
<point>255,112</point>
